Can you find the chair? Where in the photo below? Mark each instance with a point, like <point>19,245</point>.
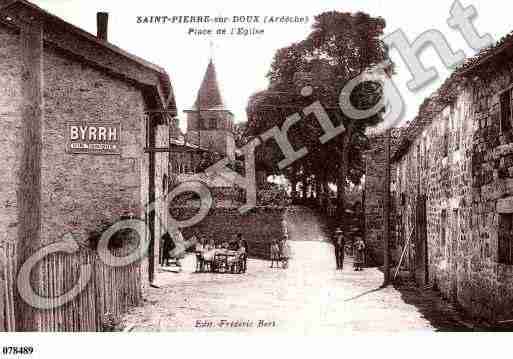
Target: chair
<point>221,263</point>
<point>236,264</point>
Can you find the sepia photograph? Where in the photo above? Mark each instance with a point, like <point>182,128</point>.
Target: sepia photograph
<point>333,169</point>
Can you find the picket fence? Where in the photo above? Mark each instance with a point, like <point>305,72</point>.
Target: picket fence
<point>110,292</point>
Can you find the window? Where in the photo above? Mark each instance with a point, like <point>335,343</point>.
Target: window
<point>213,123</point>
<point>443,230</point>
<point>463,119</point>
<point>456,225</point>
<point>456,126</point>
<point>426,153</point>
<point>419,157</point>
<point>452,117</point>
<point>505,111</point>
<point>505,238</point>
<point>445,139</point>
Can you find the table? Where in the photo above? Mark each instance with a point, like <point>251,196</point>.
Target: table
<point>221,259</point>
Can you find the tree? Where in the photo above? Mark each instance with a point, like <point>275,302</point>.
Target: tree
<point>340,47</point>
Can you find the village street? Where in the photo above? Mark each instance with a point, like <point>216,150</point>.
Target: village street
<point>308,297</point>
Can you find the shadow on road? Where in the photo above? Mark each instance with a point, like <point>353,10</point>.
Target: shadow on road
<point>441,314</point>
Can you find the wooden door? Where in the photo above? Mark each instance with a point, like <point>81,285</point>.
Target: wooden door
<point>421,250</point>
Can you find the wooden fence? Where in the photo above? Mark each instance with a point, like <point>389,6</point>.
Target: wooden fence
<point>7,280</point>
<point>110,292</point>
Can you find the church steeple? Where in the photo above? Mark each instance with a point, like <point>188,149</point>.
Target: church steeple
<point>209,95</point>
<point>209,124</point>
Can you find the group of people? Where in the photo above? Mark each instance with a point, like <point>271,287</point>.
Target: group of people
<point>207,249</point>
<point>340,249</point>
<point>280,252</point>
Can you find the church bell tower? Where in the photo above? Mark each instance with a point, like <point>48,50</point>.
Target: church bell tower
<point>209,122</point>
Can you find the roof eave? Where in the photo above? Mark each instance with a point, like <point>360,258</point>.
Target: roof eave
<point>163,91</point>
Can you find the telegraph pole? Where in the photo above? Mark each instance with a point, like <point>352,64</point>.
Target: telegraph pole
<point>386,211</point>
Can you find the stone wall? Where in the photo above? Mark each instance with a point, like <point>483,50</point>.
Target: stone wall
<point>375,175</point>
<point>484,284</point>
<point>45,191</point>
<point>81,192</point>
<point>220,138</point>
<point>10,136</point>
<point>258,227</point>
<point>461,164</point>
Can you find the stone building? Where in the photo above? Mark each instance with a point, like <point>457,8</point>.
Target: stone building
<point>453,187</point>
<point>209,122</point>
<point>209,138</point>
<point>374,189</point>
<point>77,114</point>
<point>209,132</point>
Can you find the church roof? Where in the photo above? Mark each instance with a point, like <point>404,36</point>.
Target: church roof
<point>209,95</point>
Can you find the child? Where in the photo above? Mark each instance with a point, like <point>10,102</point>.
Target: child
<point>275,253</point>
<point>285,253</point>
<point>209,245</point>
<point>360,254</point>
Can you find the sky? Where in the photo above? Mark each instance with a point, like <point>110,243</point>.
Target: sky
<point>243,61</point>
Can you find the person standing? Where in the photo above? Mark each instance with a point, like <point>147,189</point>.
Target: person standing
<point>199,249</point>
<point>286,253</point>
<point>234,243</point>
<point>167,246</point>
<point>243,249</point>
<point>275,253</point>
<point>339,248</point>
<point>360,255</point>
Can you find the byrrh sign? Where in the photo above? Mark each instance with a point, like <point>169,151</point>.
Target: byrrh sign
<point>94,138</point>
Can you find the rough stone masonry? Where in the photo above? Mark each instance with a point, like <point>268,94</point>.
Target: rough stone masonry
<point>53,74</point>
<point>452,183</point>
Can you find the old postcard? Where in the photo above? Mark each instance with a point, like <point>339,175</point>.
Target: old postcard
<point>266,168</point>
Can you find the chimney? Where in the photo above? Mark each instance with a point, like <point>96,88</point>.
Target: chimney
<point>102,21</point>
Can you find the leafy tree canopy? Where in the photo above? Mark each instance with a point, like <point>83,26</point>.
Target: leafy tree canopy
<point>340,47</point>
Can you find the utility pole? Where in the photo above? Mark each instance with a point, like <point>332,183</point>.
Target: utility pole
<point>386,211</point>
